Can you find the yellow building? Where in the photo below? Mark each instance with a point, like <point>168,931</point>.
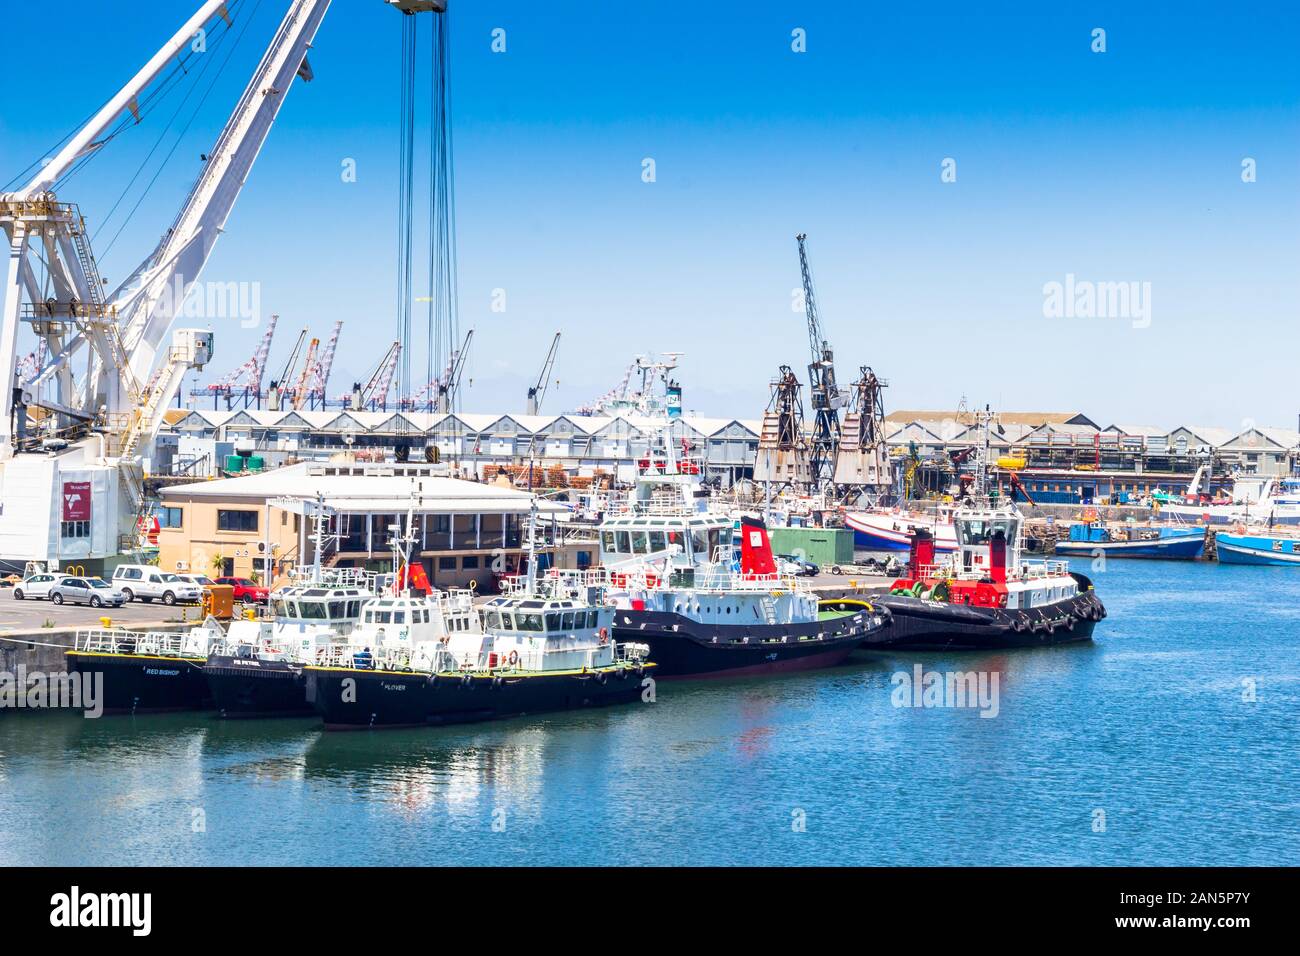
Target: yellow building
<point>465,531</point>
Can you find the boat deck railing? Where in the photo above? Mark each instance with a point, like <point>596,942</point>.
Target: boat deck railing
<point>105,640</point>
<point>1024,571</point>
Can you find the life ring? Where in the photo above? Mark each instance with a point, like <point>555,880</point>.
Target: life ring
<point>513,659</point>
<point>604,636</point>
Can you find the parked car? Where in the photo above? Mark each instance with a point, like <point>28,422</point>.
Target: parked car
<point>201,580</point>
<point>146,582</point>
<point>246,589</point>
<point>798,565</point>
<point>93,591</point>
<point>37,586</point>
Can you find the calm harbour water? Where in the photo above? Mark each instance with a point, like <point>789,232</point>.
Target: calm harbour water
<point>1148,724</point>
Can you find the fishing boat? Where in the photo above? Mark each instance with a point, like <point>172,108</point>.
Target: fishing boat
<point>539,647</point>
<point>1253,499</point>
<point>892,529</point>
<point>1240,547</point>
<point>1089,539</point>
<point>705,610</point>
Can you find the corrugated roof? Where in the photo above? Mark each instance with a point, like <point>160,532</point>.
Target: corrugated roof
<point>376,488</point>
<point>969,417</point>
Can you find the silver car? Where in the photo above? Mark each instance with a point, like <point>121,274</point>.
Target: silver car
<point>93,591</point>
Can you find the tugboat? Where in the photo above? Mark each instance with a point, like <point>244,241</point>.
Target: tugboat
<point>670,568</point>
<point>147,671</point>
<point>540,648</point>
<point>257,670</point>
<point>986,595</point>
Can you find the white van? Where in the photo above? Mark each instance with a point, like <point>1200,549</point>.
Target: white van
<point>146,582</point>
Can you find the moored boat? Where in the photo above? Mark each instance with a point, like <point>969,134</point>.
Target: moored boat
<point>147,671</point>
<point>891,530</point>
<point>986,595</point>
<point>537,648</point>
<point>256,671</point>
<point>1240,547</point>
<point>1093,539</point>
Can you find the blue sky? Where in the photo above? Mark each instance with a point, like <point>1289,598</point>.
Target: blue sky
<point>1122,166</point>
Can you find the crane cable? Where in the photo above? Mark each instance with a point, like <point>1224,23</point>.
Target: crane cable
<point>405,204</point>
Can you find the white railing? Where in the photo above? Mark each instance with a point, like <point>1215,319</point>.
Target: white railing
<point>103,640</point>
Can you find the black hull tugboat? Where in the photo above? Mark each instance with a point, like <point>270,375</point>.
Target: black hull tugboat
<point>671,569</point>
<point>147,671</point>
<point>986,596</point>
<point>536,649</point>
<point>257,670</point>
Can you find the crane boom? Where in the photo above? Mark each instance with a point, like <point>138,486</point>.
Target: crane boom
<point>822,390</point>
<point>537,394</point>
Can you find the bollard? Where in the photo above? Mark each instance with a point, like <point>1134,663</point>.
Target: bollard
<point>105,622</point>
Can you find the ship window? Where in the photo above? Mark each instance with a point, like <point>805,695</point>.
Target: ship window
<point>568,621</point>
<point>624,544</point>
<point>552,622</point>
<point>399,617</point>
<point>383,617</point>
<point>593,618</point>
<point>530,622</point>
<point>313,610</point>
<point>639,542</point>
<point>700,542</point>
<point>493,619</point>
<point>607,541</point>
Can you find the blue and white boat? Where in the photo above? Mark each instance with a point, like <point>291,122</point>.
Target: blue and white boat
<point>1273,549</point>
<point>1186,544</point>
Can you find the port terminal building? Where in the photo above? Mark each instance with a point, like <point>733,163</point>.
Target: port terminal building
<point>464,531</point>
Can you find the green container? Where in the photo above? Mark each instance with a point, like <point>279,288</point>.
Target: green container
<point>256,462</point>
<point>235,462</point>
<point>818,545</point>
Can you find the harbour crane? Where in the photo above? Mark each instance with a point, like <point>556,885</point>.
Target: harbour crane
<point>118,336</point>
<point>275,391</point>
<point>247,377</point>
<point>823,394</point>
<point>537,392</point>
<point>375,391</point>
<point>299,392</point>
<point>320,370</point>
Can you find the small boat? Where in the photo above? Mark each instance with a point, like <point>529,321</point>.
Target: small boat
<point>891,530</point>
<point>1269,549</point>
<point>1090,539</point>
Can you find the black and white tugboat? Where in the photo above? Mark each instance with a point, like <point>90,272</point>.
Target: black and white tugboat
<point>148,671</point>
<point>257,670</point>
<point>986,594</point>
<point>671,569</point>
<point>540,647</point>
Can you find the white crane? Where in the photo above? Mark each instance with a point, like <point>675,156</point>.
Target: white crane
<point>121,334</point>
